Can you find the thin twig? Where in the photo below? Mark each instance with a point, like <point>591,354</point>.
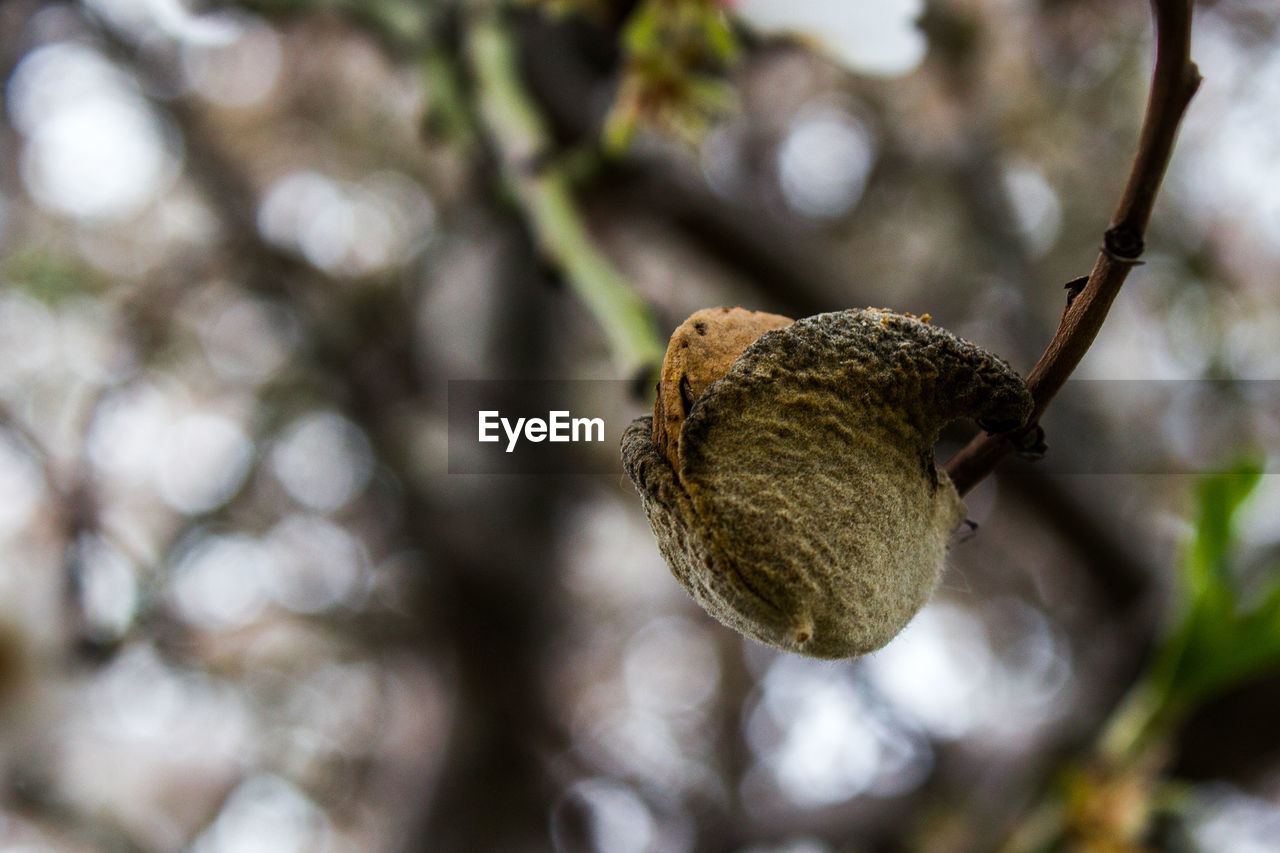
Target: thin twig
<point>520,138</point>
<point>1173,84</point>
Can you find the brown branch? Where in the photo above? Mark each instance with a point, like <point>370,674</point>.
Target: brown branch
<point>1173,84</point>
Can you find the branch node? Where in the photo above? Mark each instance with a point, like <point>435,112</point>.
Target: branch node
<point>1123,244</point>
<point>1194,79</point>
<point>1029,443</point>
<point>1173,84</point>
<point>1074,287</point>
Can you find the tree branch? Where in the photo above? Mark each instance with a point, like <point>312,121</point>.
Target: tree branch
<point>1173,84</point>
<point>520,137</point>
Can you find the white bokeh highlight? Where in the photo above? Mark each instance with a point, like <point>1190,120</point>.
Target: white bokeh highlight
<point>108,586</point>
<point>249,339</point>
<point>94,149</point>
<point>22,485</point>
<point>315,564</point>
<point>28,339</point>
<point>266,814</point>
<point>349,228</point>
<point>1221,817</point>
<point>619,820</point>
<point>818,735</point>
<point>945,674</point>
<point>240,69</point>
<point>1037,212</point>
<point>323,460</point>
<point>202,462</point>
<point>220,581</point>
<point>824,161</point>
<point>870,36</point>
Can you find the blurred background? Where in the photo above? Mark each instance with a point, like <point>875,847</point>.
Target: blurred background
<point>244,606</point>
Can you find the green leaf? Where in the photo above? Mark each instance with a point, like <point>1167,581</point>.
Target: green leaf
<point>642,33</point>
<point>1219,497</point>
<point>1254,645</point>
<point>719,35</point>
<point>1219,641</point>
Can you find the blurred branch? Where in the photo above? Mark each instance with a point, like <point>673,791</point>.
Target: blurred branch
<point>520,137</point>
<point>1173,84</point>
<point>74,513</point>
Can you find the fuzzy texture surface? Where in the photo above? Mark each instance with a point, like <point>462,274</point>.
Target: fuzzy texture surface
<point>807,512</point>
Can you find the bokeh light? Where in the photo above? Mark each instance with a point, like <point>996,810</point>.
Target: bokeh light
<point>220,581</point>
<point>824,161</point>
<point>93,148</point>
<point>314,564</point>
<point>871,36</point>
<point>21,484</point>
<point>266,813</point>
<point>347,228</point>
<point>202,460</point>
<point>323,460</point>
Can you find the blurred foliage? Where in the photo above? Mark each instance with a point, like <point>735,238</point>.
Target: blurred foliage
<point>1219,638</point>
<point>674,54</point>
<point>50,277</point>
<point>669,50</point>
<point>1221,635</point>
